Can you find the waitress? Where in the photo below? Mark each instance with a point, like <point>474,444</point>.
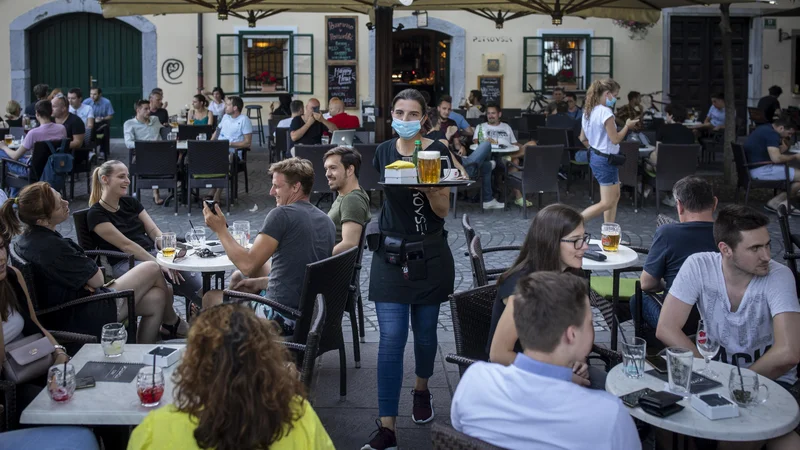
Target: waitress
<point>412,271</point>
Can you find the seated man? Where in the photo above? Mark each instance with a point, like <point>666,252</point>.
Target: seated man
<point>715,119</point>
<point>297,110</point>
<point>295,233</point>
<point>76,106</point>
<point>766,144</point>
<point>350,211</point>
<point>157,107</point>
<point>673,243</point>
<point>747,300</point>
<point>573,110</point>
<point>308,128</point>
<point>76,130</point>
<point>633,110</point>
<point>554,323</point>
<point>558,95</point>
<point>143,127</point>
<point>47,131</point>
<point>475,107</point>
<point>236,128</point>
<point>103,112</point>
<point>40,91</point>
<point>341,119</point>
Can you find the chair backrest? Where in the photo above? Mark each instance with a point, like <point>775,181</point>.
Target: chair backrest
<point>273,122</point>
<point>629,172</point>
<point>368,177</point>
<point>314,153</point>
<point>84,235</point>
<point>740,158</point>
<point>17,132</point>
<point>674,163</point>
<point>469,232</point>
<point>472,320</point>
<point>4,132</point>
<point>164,132</point>
<point>445,437</point>
<point>788,243</point>
<point>156,158</point>
<point>312,342</point>
<point>208,157</point>
<point>664,220</point>
<point>479,276</point>
<point>552,136</point>
<point>190,132</point>
<point>541,167</point>
<point>363,137</point>
<point>26,269</point>
<point>39,156</point>
<point>330,277</point>
<point>283,142</point>
<point>757,116</point>
<point>476,122</point>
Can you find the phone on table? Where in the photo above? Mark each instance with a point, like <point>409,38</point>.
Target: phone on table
<point>84,382</point>
<point>658,363</point>
<point>595,248</point>
<point>211,205</point>
<point>632,400</point>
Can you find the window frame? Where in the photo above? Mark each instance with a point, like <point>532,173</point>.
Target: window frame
<point>587,72</point>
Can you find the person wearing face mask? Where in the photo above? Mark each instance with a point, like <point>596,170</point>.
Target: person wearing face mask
<point>412,271</point>
<point>599,133</point>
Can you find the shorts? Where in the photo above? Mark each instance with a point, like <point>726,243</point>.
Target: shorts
<point>266,312</point>
<point>772,172</point>
<point>604,172</point>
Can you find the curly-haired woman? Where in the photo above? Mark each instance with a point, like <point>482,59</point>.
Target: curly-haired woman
<point>233,390</point>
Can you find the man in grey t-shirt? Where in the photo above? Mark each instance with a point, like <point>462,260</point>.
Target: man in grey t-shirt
<point>294,234</point>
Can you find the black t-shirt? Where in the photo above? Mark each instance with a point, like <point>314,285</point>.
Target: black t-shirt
<point>74,125</point>
<point>313,135</point>
<point>126,220</point>
<point>504,290</point>
<point>162,115</point>
<point>30,110</point>
<point>674,133</point>
<point>405,211</point>
<point>675,242</point>
<point>769,105</point>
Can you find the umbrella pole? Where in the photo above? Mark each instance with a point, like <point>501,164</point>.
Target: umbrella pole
<point>383,72</point>
<point>730,101</point>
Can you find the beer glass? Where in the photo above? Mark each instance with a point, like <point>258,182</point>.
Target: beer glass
<point>610,234</point>
<point>9,138</point>
<point>429,166</point>
<point>167,243</point>
<point>244,227</point>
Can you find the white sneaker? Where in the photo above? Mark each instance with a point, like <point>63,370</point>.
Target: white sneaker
<point>669,201</point>
<point>493,204</point>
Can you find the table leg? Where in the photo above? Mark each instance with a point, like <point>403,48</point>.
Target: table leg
<point>614,302</point>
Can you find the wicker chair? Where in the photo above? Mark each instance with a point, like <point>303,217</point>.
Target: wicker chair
<point>790,243</point>
<point>472,319</point>
<point>88,244</point>
<point>307,353</point>
<point>489,274</point>
<point>356,302</point>
<point>330,277</point>
<point>445,437</point>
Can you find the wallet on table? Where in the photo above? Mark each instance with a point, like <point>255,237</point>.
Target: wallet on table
<point>661,404</point>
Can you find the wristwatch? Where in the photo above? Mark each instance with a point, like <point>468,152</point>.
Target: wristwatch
<point>63,349</point>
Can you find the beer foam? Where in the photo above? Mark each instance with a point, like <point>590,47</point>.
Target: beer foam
<point>428,154</point>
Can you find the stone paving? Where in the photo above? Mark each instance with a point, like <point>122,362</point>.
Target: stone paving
<point>350,422</point>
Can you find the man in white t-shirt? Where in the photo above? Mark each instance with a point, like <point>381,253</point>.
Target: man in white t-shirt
<point>235,128</point>
<point>533,403</point>
<point>747,301</point>
<point>76,106</point>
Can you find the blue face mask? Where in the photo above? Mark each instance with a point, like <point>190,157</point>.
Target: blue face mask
<point>406,129</point>
<point>610,102</point>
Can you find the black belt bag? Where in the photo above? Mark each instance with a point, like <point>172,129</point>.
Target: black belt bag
<point>409,255</point>
<point>613,159</point>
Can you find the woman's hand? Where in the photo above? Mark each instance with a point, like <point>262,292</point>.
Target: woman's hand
<point>61,357</point>
<point>451,130</point>
<point>580,369</point>
<point>630,123</point>
<point>172,275</point>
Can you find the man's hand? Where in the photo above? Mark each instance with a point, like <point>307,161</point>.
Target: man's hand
<point>317,116</point>
<point>217,221</point>
<point>451,130</point>
<point>250,285</point>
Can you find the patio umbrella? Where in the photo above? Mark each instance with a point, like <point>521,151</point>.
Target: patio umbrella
<point>795,12</point>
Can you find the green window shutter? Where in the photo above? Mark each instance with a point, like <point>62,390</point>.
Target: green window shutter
<point>532,64</point>
<point>229,63</point>
<point>600,54</point>
<point>301,71</point>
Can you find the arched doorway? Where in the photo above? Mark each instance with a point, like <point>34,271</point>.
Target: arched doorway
<point>421,60</point>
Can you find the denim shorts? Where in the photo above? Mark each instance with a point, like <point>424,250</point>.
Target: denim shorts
<point>604,172</point>
<point>771,172</point>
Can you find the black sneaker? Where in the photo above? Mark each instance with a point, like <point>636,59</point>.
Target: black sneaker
<point>423,406</point>
<point>384,439</point>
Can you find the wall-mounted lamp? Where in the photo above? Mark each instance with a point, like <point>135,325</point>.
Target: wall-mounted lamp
<point>422,18</point>
<point>399,27</point>
<point>783,36</point>
<point>370,26</point>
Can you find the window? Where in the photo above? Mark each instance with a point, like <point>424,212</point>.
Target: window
<point>255,62</point>
<point>571,62</point>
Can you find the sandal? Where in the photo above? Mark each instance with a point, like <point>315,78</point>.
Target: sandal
<point>172,330</point>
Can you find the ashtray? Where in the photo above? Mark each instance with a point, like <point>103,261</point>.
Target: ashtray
<point>714,406</point>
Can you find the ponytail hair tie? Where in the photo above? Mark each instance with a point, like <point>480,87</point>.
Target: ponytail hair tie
<point>16,200</point>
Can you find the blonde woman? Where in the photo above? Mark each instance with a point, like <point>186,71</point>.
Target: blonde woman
<point>599,133</point>
<point>13,114</point>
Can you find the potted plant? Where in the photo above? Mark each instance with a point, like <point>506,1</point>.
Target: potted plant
<point>636,30</point>
<point>267,81</point>
<point>567,79</point>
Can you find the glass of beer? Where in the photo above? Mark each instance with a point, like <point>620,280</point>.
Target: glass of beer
<point>429,166</point>
<point>610,234</point>
<point>167,243</point>
<point>9,139</point>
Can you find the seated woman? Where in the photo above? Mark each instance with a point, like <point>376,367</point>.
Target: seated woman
<point>262,404</point>
<point>64,272</point>
<point>556,241</point>
<point>120,223</point>
<point>13,114</point>
<point>200,114</point>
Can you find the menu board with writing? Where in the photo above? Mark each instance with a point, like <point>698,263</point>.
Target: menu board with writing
<point>342,83</point>
<point>491,87</point>
<point>340,37</point>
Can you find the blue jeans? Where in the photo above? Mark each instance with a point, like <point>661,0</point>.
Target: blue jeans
<point>651,309</point>
<point>15,169</point>
<point>49,438</point>
<point>393,323</point>
<point>480,160</point>
<point>604,172</point>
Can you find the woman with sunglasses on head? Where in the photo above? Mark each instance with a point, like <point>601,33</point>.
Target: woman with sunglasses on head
<point>412,271</point>
<point>234,389</point>
<point>120,223</point>
<point>64,273</point>
<point>216,102</point>
<point>556,241</point>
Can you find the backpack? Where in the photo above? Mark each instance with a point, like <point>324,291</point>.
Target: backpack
<point>59,164</point>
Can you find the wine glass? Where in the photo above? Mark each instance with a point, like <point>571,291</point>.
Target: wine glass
<point>708,346</point>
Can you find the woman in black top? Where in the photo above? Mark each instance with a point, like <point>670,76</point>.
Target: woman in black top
<point>65,273</point>
<point>120,223</point>
<point>556,241</point>
<point>412,271</point>
<point>283,109</point>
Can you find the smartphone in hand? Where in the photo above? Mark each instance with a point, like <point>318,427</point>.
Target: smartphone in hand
<point>211,205</point>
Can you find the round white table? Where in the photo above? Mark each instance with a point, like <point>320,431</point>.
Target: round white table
<point>497,149</point>
<point>776,417</point>
<point>644,152</point>
<point>624,257</point>
<point>208,267</point>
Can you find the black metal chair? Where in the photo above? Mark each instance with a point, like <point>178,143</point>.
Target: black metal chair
<point>565,137</point>
<point>190,132</point>
<point>791,242</point>
<point>368,177</point>
<point>746,181</point>
<point>445,437</point>
<point>629,172</point>
<point>33,169</point>
<point>283,143</point>
<point>208,166</point>
<point>272,126</point>
<point>314,153</point>
<point>674,162</point>
<point>330,277</point>
<point>157,167</point>
<point>240,165</point>
<point>84,161</point>
<point>307,353</point>
<point>542,173</point>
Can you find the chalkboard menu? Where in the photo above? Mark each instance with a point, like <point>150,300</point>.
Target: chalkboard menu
<point>491,87</point>
<point>340,37</point>
<point>342,83</point>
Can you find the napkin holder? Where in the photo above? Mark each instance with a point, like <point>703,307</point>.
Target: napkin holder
<point>400,176</point>
<point>165,356</point>
<point>714,406</point>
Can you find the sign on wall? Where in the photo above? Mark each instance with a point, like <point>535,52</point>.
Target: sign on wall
<point>342,83</point>
<point>341,38</point>
<point>491,87</point>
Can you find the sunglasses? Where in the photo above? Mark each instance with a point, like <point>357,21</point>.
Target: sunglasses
<point>180,254</point>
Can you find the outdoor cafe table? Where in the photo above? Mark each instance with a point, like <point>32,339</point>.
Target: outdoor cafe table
<point>105,404</point>
<point>208,267</point>
<point>776,417</point>
<point>497,149</point>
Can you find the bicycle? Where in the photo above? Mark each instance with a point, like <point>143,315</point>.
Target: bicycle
<point>538,103</point>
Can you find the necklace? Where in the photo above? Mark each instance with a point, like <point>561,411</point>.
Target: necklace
<point>115,208</point>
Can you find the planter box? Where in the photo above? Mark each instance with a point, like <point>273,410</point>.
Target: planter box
<point>268,88</point>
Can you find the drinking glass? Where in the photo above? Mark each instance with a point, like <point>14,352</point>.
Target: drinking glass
<point>239,236</point>
<point>679,369</point>
<point>150,386</point>
<point>633,354</point>
<point>113,338</point>
<point>9,138</point>
<point>202,137</point>
<point>326,140</point>
<point>708,346</point>
<point>244,226</point>
<point>610,234</point>
<point>61,383</point>
<point>167,242</point>
<point>196,237</point>
<point>429,166</point>
<point>190,120</point>
<point>745,389</point>
<point>172,136</point>
<point>173,121</point>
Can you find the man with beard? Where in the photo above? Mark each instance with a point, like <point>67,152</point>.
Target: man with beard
<point>350,210</point>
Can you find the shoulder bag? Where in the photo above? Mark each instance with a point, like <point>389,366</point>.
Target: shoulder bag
<point>29,357</point>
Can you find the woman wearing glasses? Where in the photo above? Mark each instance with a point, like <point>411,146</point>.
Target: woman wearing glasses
<point>556,241</point>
